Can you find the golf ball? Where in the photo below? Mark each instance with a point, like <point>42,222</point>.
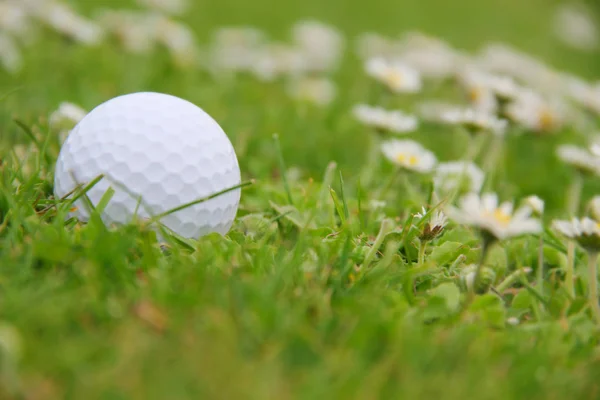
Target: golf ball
<point>157,152</point>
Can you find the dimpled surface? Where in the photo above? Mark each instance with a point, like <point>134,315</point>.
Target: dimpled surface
<point>159,147</point>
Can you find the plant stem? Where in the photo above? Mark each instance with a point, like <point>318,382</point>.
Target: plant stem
<point>574,194</point>
<point>570,272</point>
<point>422,247</point>
<point>573,199</point>
<point>512,278</point>
<point>485,247</point>
<point>540,269</point>
<point>387,225</point>
<point>593,285</point>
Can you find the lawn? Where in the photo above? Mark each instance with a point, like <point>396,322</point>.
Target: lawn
<point>328,285</point>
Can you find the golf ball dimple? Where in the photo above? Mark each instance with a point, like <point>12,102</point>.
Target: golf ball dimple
<point>156,150</point>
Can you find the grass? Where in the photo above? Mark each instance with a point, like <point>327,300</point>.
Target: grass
<point>313,294</point>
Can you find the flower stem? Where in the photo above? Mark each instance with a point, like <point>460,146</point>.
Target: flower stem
<point>485,247</point>
<point>593,283</point>
<point>422,247</point>
<point>540,269</point>
<point>573,200</point>
<point>570,272</point>
<point>491,160</point>
<point>574,194</point>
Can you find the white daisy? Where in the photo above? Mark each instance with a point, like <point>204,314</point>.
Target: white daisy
<point>14,18</point>
<point>579,157</point>
<point>134,30</point>
<point>586,95</point>
<point>475,121</point>
<point>394,121</point>
<point>373,45</point>
<point>494,220</point>
<point>319,91</point>
<point>576,28</point>
<point>434,227</point>
<point>431,56</point>
<point>10,54</point>
<point>475,81</point>
<point>453,175</point>
<point>397,76</point>
<point>584,231</point>
<point>65,20</point>
<point>535,113</point>
<point>277,59</point>
<point>174,7</point>
<point>178,39</point>
<point>322,45</point>
<point>235,48</point>
<point>536,204</point>
<point>432,110</point>
<point>64,119</point>
<point>595,207</point>
<point>409,154</point>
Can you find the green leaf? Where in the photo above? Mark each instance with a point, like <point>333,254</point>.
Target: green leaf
<point>490,310</point>
<point>447,252</point>
<point>450,293</point>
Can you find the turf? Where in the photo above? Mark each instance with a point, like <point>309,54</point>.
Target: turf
<point>301,299</point>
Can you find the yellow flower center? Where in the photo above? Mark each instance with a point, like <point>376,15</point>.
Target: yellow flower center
<point>501,217</point>
<point>475,94</point>
<point>547,120</point>
<point>394,78</point>
<point>410,160</point>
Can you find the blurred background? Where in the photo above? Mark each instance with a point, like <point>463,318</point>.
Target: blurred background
<point>85,52</point>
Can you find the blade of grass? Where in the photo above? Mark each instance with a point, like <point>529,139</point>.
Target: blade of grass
<point>202,200</point>
<point>282,167</point>
<point>343,196</point>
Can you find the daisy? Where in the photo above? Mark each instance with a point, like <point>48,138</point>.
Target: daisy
<point>319,91</point>
<point>431,56</point>
<point>474,121</point>
<point>595,207</point>
<point>536,204</point>
<point>394,121</point>
<point>575,27</point>
<point>65,118</point>
<point>536,114</point>
<point>434,227</point>
<point>397,76</point>
<point>236,49</point>
<point>322,45</point>
<point>66,21</point>
<point>10,54</point>
<point>14,18</point>
<point>495,221</point>
<point>457,175</point>
<point>586,232</point>
<point>372,45</point>
<point>135,31</point>
<point>579,157</point>
<point>409,154</point>
<point>480,84</point>
<point>178,39</point>
<point>173,7</point>
<point>586,95</point>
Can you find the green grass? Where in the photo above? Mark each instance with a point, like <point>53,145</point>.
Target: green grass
<point>285,306</point>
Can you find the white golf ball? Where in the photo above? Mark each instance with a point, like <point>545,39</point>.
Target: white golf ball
<point>158,148</point>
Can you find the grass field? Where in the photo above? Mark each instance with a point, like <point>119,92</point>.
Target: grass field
<point>317,291</point>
